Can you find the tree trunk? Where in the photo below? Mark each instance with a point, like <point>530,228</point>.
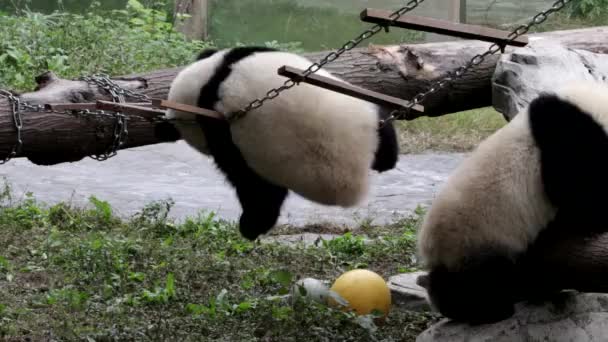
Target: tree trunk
<point>56,137</point>
<point>196,26</point>
<point>400,71</point>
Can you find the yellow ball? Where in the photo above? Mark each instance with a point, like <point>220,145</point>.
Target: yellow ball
<point>365,291</point>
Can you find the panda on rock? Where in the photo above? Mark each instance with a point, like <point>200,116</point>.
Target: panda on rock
<point>546,168</point>
<point>314,142</point>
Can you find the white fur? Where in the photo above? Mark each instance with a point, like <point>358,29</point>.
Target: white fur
<point>591,97</point>
<point>496,196</point>
<point>315,142</point>
<point>186,88</point>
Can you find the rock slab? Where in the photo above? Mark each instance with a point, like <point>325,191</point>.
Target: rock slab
<point>569,317</point>
<point>543,65</point>
<point>406,293</point>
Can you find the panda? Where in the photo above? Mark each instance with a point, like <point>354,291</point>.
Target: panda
<point>314,142</point>
<point>544,171</point>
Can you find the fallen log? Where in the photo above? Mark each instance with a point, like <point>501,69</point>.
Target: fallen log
<point>52,137</point>
<point>400,71</point>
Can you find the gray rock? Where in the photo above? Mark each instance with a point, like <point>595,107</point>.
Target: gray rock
<point>307,239</point>
<point>541,66</point>
<point>568,317</point>
<point>407,294</point>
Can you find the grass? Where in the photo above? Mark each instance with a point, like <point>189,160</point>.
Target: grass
<point>70,273</point>
<point>458,132</point>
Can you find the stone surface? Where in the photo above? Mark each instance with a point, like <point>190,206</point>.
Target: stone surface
<point>569,317</point>
<point>307,239</point>
<point>138,176</point>
<point>406,293</point>
<point>541,66</point>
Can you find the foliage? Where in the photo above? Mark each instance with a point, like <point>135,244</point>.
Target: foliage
<point>588,9</point>
<point>84,274</point>
<point>77,6</point>
<point>132,40</point>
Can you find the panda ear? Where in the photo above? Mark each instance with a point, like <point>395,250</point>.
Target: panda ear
<point>206,53</point>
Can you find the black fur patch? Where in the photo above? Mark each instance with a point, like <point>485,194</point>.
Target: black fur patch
<point>166,132</point>
<point>387,155</point>
<point>483,291</point>
<point>260,200</point>
<point>206,53</point>
<point>574,166</point>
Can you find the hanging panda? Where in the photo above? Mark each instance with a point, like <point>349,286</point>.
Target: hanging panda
<point>547,168</point>
<point>315,142</point>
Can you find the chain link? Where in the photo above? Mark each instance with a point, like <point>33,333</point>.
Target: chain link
<point>16,113</point>
<point>332,56</point>
<point>118,94</point>
<point>475,61</point>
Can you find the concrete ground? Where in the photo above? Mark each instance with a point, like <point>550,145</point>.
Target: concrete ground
<point>138,176</point>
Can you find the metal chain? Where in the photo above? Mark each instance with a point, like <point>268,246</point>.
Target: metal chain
<point>332,56</point>
<point>118,94</point>
<point>475,61</point>
<point>16,113</point>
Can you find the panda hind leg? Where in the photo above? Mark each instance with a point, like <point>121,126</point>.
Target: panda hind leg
<point>261,201</point>
<point>387,154</point>
<point>482,291</point>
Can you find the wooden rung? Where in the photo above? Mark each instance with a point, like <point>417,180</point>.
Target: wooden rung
<point>444,27</point>
<point>70,106</point>
<point>146,112</point>
<point>188,109</point>
<point>347,89</point>
<point>82,106</point>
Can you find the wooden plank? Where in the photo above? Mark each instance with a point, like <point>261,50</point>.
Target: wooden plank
<point>146,112</point>
<point>444,27</point>
<point>70,106</point>
<point>83,106</point>
<point>347,89</point>
<point>188,109</point>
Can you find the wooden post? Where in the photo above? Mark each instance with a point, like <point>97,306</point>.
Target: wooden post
<point>463,11</point>
<point>454,11</point>
<point>196,26</point>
